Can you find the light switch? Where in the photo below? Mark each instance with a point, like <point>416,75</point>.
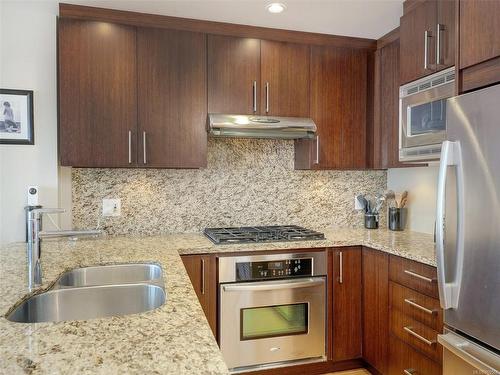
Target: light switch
<point>111,207</point>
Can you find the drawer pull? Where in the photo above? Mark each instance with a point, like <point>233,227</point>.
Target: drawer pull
<point>409,371</point>
<point>411,273</point>
<point>420,307</point>
<point>421,338</point>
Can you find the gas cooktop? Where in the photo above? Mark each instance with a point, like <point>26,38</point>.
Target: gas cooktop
<point>261,234</point>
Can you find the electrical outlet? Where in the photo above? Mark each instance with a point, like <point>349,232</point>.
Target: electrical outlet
<point>111,207</point>
<point>357,204</point>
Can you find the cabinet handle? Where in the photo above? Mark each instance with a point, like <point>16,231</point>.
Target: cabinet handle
<point>144,159</point>
<point>254,88</point>
<point>202,276</point>
<point>426,49</point>
<point>420,307</point>
<point>409,371</point>
<point>267,97</point>
<point>438,43</point>
<point>418,276</point>
<point>341,268</point>
<point>421,338</point>
<point>130,147</point>
<point>317,150</point>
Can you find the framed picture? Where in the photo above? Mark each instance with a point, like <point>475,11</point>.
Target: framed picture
<point>16,117</point>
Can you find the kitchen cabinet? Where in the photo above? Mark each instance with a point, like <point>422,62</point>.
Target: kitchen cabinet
<point>97,70</point>
<point>285,79</point>
<point>346,335</point>
<point>386,122</point>
<point>233,75</point>
<point>203,275</point>
<point>479,43</point>
<point>172,98</point>
<point>403,359</point>
<point>375,278</point>
<point>427,39</point>
<point>252,76</point>
<point>338,106</point>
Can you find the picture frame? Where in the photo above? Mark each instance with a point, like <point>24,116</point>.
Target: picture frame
<point>16,117</point>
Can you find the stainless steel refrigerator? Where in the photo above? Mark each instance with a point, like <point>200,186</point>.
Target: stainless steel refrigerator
<point>468,234</point>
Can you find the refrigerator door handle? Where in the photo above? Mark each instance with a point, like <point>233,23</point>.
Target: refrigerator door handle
<point>482,359</point>
<point>449,290</point>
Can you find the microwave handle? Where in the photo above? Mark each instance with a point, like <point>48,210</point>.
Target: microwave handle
<point>266,285</point>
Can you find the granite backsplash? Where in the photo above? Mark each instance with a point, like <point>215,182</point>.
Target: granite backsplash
<point>246,182</point>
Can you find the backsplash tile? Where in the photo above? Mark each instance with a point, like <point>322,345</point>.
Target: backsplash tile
<point>246,182</point>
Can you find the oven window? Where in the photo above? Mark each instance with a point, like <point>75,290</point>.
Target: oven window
<point>273,321</point>
<point>427,118</point>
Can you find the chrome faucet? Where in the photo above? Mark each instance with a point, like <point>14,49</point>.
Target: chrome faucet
<point>34,240</point>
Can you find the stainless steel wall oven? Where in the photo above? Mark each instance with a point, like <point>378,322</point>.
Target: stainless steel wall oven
<point>272,310</point>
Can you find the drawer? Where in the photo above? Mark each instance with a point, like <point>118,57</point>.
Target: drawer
<point>416,335</point>
<point>403,359</point>
<point>414,275</point>
<point>417,306</point>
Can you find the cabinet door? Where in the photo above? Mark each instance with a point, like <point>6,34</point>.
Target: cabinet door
<point>338,107</point>
<point>375,266</point>
<point>412,30</point>
<point>172,98</point>
<point>403,359</point>
<point>346,303</point>
<point>479,31</point>
<point>446,24</point>
<point>202,273</point>
<point>285,79</point>
<point>233,75</point>
<point>97,94</point>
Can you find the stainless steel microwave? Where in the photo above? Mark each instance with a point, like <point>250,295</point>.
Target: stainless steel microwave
<point>422,116</point>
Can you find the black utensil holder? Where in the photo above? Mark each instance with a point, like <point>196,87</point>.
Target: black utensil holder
<point>371,221</point>
<point>397,218</point>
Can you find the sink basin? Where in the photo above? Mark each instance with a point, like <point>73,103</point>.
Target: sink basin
<point>88,303</point>
<point>111,274</point>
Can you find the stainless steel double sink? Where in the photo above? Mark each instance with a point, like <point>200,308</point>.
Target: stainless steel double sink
<point>96,292</point>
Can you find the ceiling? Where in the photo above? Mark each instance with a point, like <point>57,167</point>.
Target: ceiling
<point>361,18</point>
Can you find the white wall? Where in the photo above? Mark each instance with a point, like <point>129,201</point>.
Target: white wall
<point>28,61</point>
<point>421,183</point>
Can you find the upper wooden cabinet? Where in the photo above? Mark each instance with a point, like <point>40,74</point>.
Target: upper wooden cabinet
<point>251,76</point>
<point>479,31</point>
<point>172,98</point>
<point>338,104</point>
<point>427,39</point>
<point>233,75</point>
<point>97,94</point>
<point>479,43</point>
<point>346,335</point>
<point>284,79</point>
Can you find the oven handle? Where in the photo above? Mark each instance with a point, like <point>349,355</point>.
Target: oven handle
<point>269,285</point>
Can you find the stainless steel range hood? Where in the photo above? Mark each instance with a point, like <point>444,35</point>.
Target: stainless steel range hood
<point>244,126</point>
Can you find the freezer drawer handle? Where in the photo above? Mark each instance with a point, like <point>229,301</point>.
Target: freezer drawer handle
<point>421,277</point>
<point>420,307</point>
<point>484,360</point>
<point>272,286</point>
<point>421,338</point>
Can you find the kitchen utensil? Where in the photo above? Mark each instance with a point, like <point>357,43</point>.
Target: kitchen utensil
<point>362,201</point>
<point>404,197</point>
<point>390,197</point>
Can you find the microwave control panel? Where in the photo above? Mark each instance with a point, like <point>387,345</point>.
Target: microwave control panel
<point>274,269</point>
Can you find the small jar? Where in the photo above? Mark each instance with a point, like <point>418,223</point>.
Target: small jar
<point>397,218</point>
<point>371,221</point>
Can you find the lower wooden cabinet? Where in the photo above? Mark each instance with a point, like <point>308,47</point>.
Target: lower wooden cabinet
<point>346,280</point>
<point>403,359</point>
<point>202,272</point>
<point>375,269</point>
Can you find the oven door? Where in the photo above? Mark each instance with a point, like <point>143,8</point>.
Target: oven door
<point>268,322</point>
<point>423,116</point>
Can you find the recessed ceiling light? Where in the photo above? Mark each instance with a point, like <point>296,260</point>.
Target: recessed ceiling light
<point>275,8</point>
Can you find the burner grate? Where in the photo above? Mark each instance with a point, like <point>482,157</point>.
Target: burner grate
<point>261,234</point>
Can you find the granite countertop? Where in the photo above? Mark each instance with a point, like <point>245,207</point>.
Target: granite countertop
<point>173,339</point>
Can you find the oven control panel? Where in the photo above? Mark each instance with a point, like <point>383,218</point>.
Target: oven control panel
<point>274,269</point>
